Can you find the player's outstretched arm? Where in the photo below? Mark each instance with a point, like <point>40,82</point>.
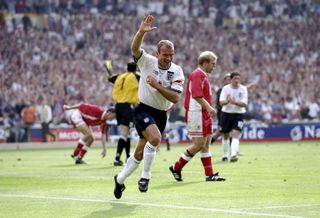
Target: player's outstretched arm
<point>104,149</point>
<point>70,107</point>
<point>111,77</point>
<point>251,86</point>
<point>145,26</point>
<point>108,67</point>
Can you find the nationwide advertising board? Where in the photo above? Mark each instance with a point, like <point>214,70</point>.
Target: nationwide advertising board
<point>179,134</point>
<point>252,132</point>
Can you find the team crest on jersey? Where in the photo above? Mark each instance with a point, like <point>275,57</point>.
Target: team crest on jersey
<point>146,120</point>
<point>240,95</point>
<point>170,75</point>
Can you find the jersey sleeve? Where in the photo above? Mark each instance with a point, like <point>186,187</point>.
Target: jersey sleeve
<point>223,95</point>
<point>144,60</point>
<point>113,78</point>
<point>91,110</point>
<point>83,107</point>
<point>178,81</point>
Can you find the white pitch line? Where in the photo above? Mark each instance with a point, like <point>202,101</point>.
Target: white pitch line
<point>277,207</point>
<point>230,211</point>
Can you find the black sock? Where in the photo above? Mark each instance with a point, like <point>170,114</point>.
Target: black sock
<point>120,146</point>
<point>128,145</point>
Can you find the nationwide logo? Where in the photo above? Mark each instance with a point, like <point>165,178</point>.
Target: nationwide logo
<point>296,133</point>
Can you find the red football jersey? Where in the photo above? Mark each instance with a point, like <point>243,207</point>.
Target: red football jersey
<point>92,115</point>
<point>198,86</point>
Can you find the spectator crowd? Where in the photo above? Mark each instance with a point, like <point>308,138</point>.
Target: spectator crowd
<point>273,43</point>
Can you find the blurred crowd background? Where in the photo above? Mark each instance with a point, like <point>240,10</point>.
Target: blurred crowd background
<point>53,51</point>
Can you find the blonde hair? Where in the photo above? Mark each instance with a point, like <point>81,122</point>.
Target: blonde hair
<point>166,43</point>
<point>206,56</point>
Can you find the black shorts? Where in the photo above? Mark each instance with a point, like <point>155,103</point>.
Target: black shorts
<point>145,115</point>
<point>219,117</point>
<point>124,114</point>
<point>231,121</point>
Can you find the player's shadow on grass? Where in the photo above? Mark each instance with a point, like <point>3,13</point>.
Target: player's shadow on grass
<point>63,165</point>
<point>116,210</point>
<point>103,168</point>
<point>82,165</point>
<point>175,184</point>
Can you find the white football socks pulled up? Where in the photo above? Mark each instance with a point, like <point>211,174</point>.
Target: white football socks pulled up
<point>234,146</point>
<point>130,167</point>
<point>225,147</point>
<point>149,154</point>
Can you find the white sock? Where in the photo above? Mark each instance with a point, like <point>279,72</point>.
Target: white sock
<point>234,146</point>
<point>149,154</point>
<point>130,167</point>
<point>225,147</point>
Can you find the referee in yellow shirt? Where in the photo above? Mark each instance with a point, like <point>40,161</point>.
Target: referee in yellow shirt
<point>125,94</point>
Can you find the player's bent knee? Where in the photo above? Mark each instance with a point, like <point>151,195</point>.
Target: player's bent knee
<point>138,155</point>
<point>89,140</point>
<point>155,141</point>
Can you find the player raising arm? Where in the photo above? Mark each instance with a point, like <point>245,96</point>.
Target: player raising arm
<point>160,86</point>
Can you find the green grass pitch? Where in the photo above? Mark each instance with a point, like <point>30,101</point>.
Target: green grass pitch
<point>269,180</point>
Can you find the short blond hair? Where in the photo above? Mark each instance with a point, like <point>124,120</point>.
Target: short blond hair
<point>206,56</point>
<point>166,43</point>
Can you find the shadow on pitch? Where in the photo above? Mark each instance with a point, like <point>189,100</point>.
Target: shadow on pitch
<point>82,165</point>
<point>175,184</point>
<point>103,168</point>
<point>116,210</point>
<point>63,165</point>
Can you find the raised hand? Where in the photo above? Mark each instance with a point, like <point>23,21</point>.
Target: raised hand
<point>146,25</point>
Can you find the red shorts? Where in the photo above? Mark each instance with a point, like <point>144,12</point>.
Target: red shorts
<point>199,123</point>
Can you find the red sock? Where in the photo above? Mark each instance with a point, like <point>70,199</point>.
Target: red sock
<point>183,160</point>
<point>83,151</point>
<point>207,165</point>
<point>77,150</point>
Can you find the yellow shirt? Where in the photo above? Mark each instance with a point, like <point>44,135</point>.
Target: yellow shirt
<point>125,89</point>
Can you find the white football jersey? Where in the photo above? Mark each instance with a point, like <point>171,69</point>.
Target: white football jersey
<point>171,78</point>
<point>240,94</point>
